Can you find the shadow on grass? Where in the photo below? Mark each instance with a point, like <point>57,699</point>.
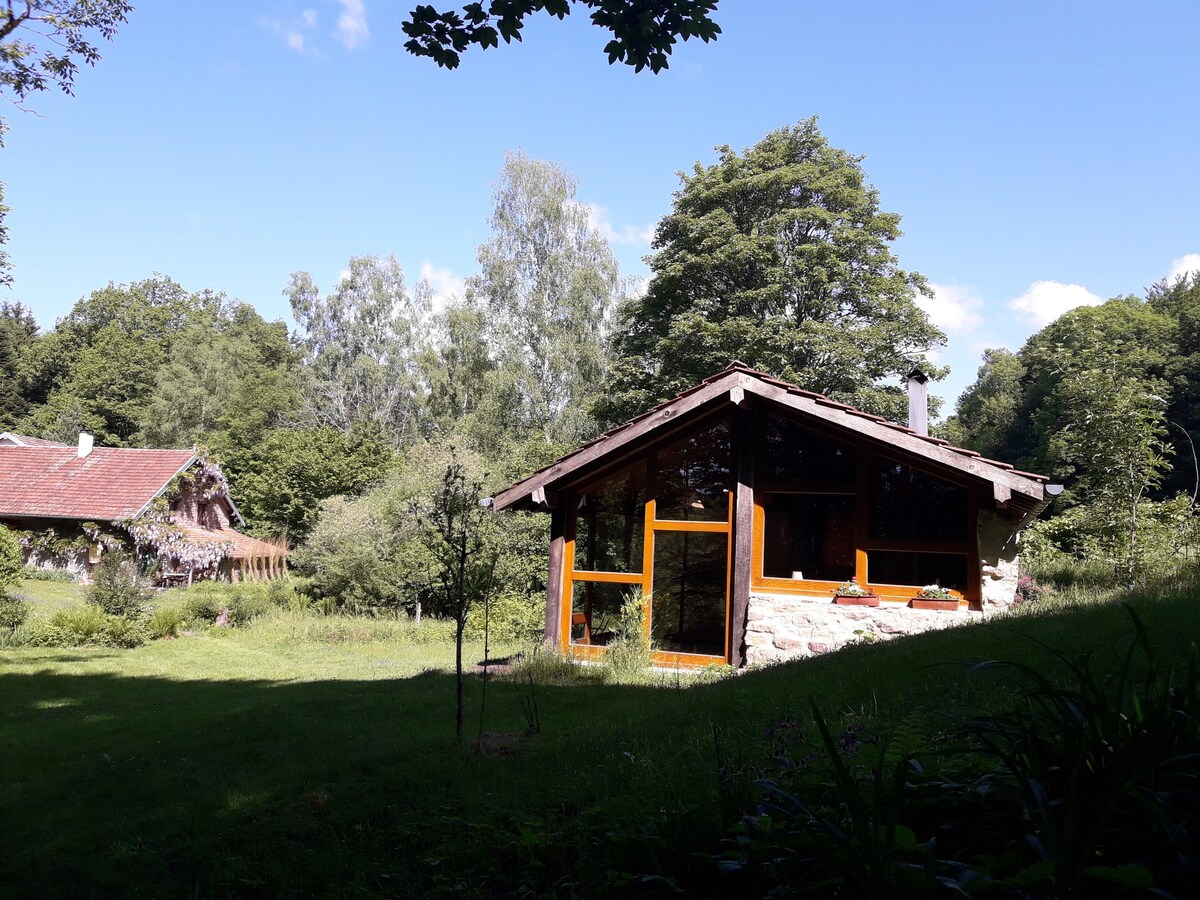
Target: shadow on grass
<point>155,787</point>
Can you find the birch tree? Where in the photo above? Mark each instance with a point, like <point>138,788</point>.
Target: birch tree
<point>548,284</point>
<point>362,344</point>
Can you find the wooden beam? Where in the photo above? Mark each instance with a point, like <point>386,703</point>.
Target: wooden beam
<point>554,578</point>
<point>743,530</point>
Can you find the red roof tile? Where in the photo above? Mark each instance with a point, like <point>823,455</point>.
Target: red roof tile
<point>106,485</point>
<point>8,439</point>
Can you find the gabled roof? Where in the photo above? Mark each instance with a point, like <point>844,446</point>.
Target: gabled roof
<point>107,485</point>
<point>731,386</point>
<point>8,439</point>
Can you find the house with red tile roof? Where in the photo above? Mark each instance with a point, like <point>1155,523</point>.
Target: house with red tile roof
<point>754,521</point>
<point>68,505</point>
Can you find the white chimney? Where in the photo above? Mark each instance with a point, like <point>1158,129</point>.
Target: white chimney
<point>85,444</point>
<point>918,402</point>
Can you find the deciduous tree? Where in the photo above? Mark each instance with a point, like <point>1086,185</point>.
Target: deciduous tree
<point>643,31</point>
<point>780,257</point>
<point>362,344</point>
<point>547,286</point>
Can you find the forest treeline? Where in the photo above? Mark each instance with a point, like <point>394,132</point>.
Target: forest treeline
<point>778,255</point>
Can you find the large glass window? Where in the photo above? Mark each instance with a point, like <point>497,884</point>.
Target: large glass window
<point>695,475</point>
<point>794,457</point>
<point>596,610</point>
<point>917,569</point>
<point>910,505</point>
<point>610,524</point>
<point>688,602</point>
<point>809,536</point>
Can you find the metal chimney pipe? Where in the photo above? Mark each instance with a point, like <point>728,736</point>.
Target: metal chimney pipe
<point>918,402</point>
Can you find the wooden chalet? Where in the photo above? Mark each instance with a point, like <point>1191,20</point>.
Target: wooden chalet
<point>68,504</point>
<point>746,493</point>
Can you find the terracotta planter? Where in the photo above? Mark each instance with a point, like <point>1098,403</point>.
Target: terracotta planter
<point>943,605</point>
<point>852,600</point>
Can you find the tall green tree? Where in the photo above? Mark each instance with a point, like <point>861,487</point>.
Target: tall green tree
<point>1124,335</point>
<point>99,366</point>
<point>779,256</point>
<point>1112,443</point>
<point>1179,299</point>
<point>643,31</point>
<point>236,374</point>
<point>984,415</point>
<point>362,344</point>
<point>42,43</point>
<point>548,285</point>
<point>18,331</point>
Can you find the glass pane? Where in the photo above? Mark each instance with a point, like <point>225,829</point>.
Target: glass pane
<point>688,602</point>
<point>793,455</point>
<point>596,610</point>
<point>611,525</point>
<point>917,569</point>
<point>909,505</point>
<point>695,475</point>
<point>809,536</point>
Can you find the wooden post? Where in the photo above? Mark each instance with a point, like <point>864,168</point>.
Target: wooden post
<point>554,579</point>
<point>743,530</point>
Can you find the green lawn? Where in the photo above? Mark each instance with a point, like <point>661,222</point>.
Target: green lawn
<point>314,756</point>
<point>48,597</point>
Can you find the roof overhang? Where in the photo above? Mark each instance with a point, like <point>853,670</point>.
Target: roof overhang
<point>1023,492</point>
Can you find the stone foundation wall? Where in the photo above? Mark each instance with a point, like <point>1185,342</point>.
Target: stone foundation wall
<point>1000,566</point>
<point>786,626</point>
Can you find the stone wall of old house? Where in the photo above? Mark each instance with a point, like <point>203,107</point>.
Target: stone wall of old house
<point>999,564</point>
<point>787,626</point>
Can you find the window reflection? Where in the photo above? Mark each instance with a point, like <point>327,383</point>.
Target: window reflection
<point>910,505</point>
<point>695,475</point>
<point>610,523</point>
<point>809,536</point>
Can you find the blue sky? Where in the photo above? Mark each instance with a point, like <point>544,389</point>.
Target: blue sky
<point>1042,154</point>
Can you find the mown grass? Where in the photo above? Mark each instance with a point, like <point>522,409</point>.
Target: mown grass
<point>314,756</point>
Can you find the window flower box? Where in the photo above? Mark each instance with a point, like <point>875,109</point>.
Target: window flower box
<point>851,593</point>
<point>936,597</point>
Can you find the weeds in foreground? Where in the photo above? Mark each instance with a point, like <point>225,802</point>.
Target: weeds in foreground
<point>1085,790</point>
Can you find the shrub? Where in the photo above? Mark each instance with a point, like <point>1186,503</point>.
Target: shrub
<point>1028,590</point>
<point>71,627</point>
<point>510,616</point>
<point>117,588</point>
<point>166,621</point>
<point>13,613</point>
<point>122,631</point>
<point>11,560</point>
<point>246,601</point>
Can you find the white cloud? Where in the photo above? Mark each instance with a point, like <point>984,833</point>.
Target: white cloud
<point>1186,264</point>
<point>352,24</point>
<point>601,220</point>
<point>952,307</point>
<point>292,32</point>
<point>444,282</point>
<point>1045,301</point>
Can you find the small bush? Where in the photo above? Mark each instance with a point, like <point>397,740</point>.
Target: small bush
<point>545,666</point>
<point>117,588</point>
<point>88,625</point>
<point>247,601</point>
<point>71,628</point>
<point>13,613</point>
<point>1028,590</point>
<point>121,631</point>
<point>166,621</point>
